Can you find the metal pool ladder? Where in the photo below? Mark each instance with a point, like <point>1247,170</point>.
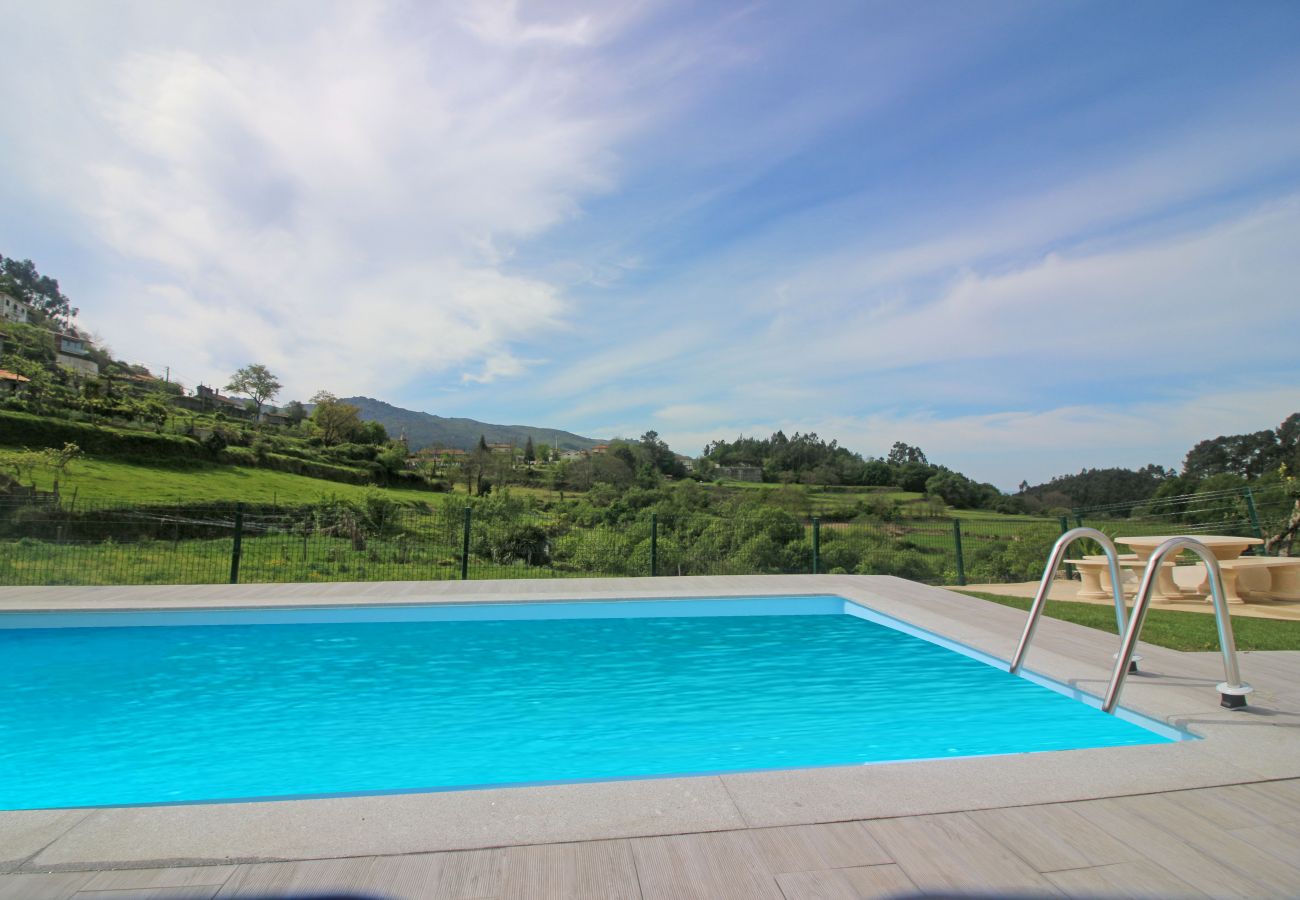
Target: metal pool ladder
<point>1049,573</point>
<point>1232,691</point>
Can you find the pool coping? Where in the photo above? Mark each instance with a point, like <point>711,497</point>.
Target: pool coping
<point>1259,744</point>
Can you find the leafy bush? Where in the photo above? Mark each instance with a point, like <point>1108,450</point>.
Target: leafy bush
<point>909,564</point>
<point>523,542</point>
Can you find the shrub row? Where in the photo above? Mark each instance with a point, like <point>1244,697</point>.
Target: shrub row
<point>18,429</point>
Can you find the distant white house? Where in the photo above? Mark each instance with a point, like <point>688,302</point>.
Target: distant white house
<point>13,309</point>
<point>71,352</point>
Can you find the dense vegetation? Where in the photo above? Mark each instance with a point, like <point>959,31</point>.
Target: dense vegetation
<point>807,459</point>
<point>687,528</point>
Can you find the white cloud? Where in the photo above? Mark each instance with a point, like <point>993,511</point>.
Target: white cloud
<point>1085,357</point>
<point>1190,305</point>
<point>500,23</point>
<point>1170,305</point>
<point>357,196</point>
<point>338,199</point>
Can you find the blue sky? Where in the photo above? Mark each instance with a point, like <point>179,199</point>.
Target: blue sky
<point>1028,237</point>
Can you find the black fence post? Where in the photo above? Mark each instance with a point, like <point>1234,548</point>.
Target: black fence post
<point>237,550</point>
<point>961,562</point>
<point>817,543</point>
<point>654,544</point>
<point>464,548</point>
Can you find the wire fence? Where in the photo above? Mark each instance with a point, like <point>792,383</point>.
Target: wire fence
<point>87,544</point>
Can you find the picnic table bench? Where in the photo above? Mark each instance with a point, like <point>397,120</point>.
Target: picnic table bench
<point>1283,581</point>
<point>1094,576</point>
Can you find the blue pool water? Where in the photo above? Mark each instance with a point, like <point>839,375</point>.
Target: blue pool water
<point>218,708</point>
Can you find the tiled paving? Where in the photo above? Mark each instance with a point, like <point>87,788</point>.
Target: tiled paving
<point>1238,841</point>
<point>1216,817</point>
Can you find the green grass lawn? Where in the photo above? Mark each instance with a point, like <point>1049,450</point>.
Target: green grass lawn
<point>113,482</point>
<point>1168,628</point>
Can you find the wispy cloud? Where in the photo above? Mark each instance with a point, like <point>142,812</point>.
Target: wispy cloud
<point>341,203</point>
<point>1025,237</point>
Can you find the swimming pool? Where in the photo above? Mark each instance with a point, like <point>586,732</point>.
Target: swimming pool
<point>186,706</point>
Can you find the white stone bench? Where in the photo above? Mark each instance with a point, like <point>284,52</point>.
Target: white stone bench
<point>1094,575</point>
<point>1283,581</point>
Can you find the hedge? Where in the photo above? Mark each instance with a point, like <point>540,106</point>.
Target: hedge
<point>18,429</point>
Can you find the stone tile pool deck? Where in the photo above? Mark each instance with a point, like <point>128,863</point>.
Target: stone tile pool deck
<point>1217,817</point>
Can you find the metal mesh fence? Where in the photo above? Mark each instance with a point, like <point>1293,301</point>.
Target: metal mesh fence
<point>87,544</point>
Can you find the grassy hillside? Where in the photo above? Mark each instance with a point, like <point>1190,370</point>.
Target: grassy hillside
<point>115,481</point>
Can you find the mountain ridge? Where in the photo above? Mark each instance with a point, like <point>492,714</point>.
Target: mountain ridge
<point>424,429</point>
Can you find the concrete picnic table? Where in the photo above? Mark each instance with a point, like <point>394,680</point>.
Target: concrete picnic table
<point>1227,549</point>
<point>1222,546</point>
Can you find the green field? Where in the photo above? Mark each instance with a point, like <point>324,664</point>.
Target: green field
<point>1188,631</point>
<point>103,481</point>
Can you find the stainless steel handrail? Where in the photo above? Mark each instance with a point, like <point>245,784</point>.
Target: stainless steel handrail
<point>1233,690</point>
<point>1049,573</point>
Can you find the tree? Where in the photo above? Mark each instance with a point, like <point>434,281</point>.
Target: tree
<point>901,454</point>
<point>20,279</point>
<point>392,459</point>
<point>530,455</point>
<point>1100,487</point>
<point>661,456</point>
<point>40,383</point>
<point>295,411</point>
<point>1247,455</point>
<point>371,432</point>
<point>912,476</point>
<point>257,383</point>
<point>59,461</point>
<point>561,477</point>
<point>1285,536</point>
<point>960,492</point>
<point>337,421</point>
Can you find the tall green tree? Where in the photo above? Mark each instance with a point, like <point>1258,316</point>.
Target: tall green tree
<point>19,278</point>
<point>337,421</point>
<point>257,383</point>
<point>900,454</point>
